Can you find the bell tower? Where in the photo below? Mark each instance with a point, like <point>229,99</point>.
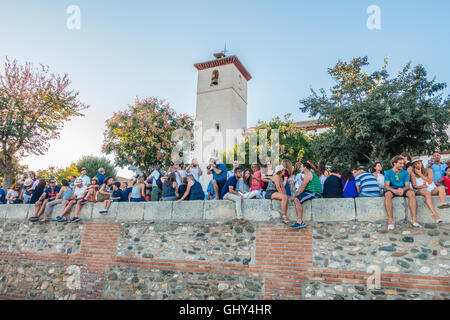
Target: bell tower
<point>221,100</point>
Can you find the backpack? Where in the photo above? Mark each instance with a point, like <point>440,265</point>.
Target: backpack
<point>159,182</point>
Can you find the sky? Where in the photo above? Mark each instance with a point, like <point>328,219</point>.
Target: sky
<point>144,48</point>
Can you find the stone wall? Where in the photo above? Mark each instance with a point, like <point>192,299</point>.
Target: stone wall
<point>193,250</point>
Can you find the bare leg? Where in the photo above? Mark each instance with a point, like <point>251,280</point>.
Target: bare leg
<point>108,204</point>
<point>37,206</point>
<point>412,204</point>
<point>41,210</point>
<point>77,208</point>
<point>429,202</point>
<point>440,191</point>
<point>68,207</point>
<point>299,209</point>
<point>388,204</point>
<point>216,189</point>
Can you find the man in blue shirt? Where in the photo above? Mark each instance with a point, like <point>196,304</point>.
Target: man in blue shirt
<point>437,166</point>
<point>125,192</point>
<point>229,192</point>
<point>2,196</point>
<point>366,183</point>
<point>396,184</point>
<point>219,172</point>
<point>100,176</point>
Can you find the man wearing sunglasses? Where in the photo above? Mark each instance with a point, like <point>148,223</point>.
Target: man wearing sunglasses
<point>397,184</point>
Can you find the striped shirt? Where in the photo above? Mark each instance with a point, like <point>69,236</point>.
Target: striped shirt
<point>368,185</point>
<point>314,184</point>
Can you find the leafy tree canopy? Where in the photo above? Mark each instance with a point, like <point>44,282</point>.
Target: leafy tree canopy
<point>376,116</point>
<point>93,163</point>
<point>141,136</point>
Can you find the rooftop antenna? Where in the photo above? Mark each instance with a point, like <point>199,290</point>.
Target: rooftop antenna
<point>221,54</point>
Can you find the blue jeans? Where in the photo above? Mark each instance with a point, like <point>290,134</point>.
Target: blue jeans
<point>137,200</point>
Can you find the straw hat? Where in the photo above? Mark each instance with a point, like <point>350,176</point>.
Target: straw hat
<point>415,159</point>
<point>279,168</point>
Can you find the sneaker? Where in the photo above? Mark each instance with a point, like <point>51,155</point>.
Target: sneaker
<point>83,201</point>
<point>297,226</point>
<point>61,219</point>
<point>75,219</point>
<point>391,226</point>
<point>443,205</point>
<point>104,211</point>
<point>34,219</point>
<point>439,221</point>
<point>416,225</point>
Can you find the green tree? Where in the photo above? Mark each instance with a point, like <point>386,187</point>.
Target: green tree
<point>141,135</point>
<point>294,143</point>
<point>93,163</point>
<point>34,104</point>
<point>374,116</point>
<point>59,174</point>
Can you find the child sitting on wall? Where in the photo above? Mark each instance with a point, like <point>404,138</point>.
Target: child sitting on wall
<point>115,197</point>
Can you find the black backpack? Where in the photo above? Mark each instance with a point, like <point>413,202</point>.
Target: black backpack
<point>158,181</point>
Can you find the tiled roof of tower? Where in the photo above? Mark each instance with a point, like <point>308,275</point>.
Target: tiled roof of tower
<point>224,61</point>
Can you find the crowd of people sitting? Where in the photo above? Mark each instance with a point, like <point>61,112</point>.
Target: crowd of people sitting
<point>298,183</point>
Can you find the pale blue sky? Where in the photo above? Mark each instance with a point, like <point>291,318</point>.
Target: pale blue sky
<point>147,48</point>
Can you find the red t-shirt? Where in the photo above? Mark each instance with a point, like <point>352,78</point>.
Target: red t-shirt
<point>257,185</point>
<point>447,184</point>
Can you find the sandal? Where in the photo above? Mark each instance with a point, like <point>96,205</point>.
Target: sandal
<point>44,220</point>
<point>284,219</point>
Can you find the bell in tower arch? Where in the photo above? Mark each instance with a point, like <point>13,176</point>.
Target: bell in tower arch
<point>215,78</point>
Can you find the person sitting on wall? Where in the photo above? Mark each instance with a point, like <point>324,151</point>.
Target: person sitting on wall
<point>332,187</point>
<point>170,188</point>
<point>437,166</point>
<point>311,188</point>
<point>366,183</point>
<point>229,192</point>
<point>243,186</point>
<point>105,190</point>
<point>396,184</point>
<point>257,183</point>
<point>445,180</point>
<point>182,188</point>
<point>194,190</point>
<point>50,193</point>
<point>125,192</point>
<point>100,176</point>
<point>348,184</point>
<point>12,196</point>
<point>137,192</point>
<point>194,169</point>
<point>77,196</point>
<point>61,198</point>
<point>377,171</point>
<point>115,197</point>
<point>219,172</point>
<point>422,182</point>
<point>37,198</point>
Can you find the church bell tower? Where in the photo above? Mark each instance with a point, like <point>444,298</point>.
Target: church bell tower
<point>221,99</point>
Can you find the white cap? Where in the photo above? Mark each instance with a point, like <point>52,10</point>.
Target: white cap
<point>279,168</point>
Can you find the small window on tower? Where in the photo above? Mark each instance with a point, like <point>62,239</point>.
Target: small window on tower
<point>240,82</point>
<point>215,78</point>
<point>217,126</point>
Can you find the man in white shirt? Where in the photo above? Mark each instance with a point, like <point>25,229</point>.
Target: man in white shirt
<point>195,170</point>
<point>86,180</point>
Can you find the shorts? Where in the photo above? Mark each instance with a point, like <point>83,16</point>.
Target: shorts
<point>404,193</point>
<point>305,196</point>
<point>269,194</point>
<point>100,197</point>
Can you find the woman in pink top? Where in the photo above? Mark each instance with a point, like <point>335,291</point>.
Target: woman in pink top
<point>257,182</point>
